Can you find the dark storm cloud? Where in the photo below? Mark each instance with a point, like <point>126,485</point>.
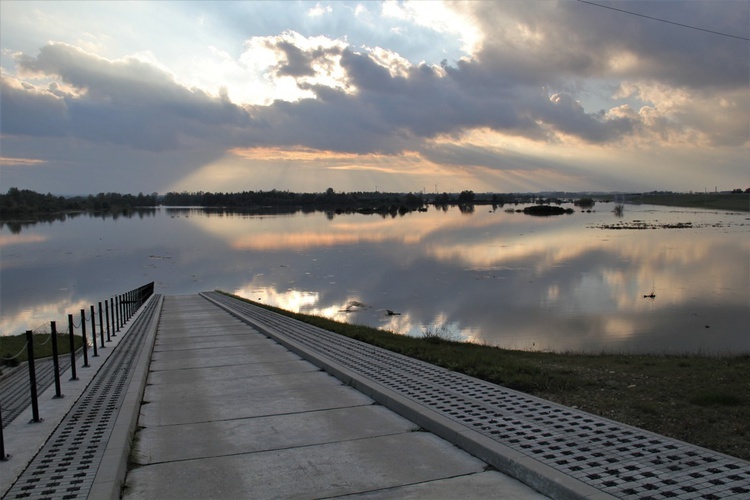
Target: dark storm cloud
<point>545,42</point>
<point>427,104</point>
<point>128,102</point>
<point>568,116</point>
<point>298,62</point>
<point>28,112</point>
<point>388,112</point>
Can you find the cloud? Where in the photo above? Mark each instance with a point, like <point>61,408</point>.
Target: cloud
<point>23,162</point>
<point>441,17</point>
<point>547,42</point>
<point>567,116</point>
<point>307,60</point>
<point>126,101</point>
<point>532,66</point>
<point>319,10</point>
<point>27,110</point>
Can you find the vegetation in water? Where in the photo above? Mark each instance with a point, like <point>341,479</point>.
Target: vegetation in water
<point>704,400</point>
<point>546,210</point>
<point>736,201</point>
<point>23,204</point>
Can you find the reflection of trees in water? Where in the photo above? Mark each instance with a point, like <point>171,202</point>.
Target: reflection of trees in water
<point>466,209</point>
<point>16,225</point>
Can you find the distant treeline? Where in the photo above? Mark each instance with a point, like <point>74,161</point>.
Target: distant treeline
<point>20,204</point>
<point>737,200</point>
<point>329,200</point>
<point>25,203</point>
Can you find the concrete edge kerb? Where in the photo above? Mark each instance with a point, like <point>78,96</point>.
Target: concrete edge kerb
<point>526,469</point>
<point>113,467</point>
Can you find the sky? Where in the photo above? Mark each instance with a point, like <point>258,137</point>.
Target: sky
<point>422,96</point>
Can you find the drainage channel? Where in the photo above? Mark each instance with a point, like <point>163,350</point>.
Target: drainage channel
<point>622,461</point>
<point>67,464</point>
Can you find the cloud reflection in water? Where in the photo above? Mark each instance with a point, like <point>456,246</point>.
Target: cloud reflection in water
<point>508,279</point>
<point>512,280</point>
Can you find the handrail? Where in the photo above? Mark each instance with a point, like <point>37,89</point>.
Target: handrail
<point>123,307</point>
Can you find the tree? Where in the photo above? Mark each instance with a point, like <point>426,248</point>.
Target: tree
<point>584,202</point>
<point>443,199</point>
<point>466,197</point>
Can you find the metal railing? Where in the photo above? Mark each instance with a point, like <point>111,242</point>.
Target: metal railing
<point>113,314</point>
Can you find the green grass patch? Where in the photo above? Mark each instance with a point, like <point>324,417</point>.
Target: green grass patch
<point>13,348</point>
<point>715,399</point>
<point>703,400</point>
<point>737,202</point>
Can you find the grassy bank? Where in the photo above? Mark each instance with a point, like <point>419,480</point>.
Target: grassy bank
<point>698,399</point>
<point>13,348</point>
<point>737,202</point>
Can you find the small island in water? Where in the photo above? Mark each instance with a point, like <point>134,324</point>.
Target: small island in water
<point>546,210</point>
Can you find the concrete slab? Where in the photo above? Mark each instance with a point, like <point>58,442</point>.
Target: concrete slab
<point>292,384</point>
<point>207,362</point>
<point>255,402</point>
<point>229,372</point>
<point>490,484</point>
<point>211,333</point>
<point>197,343</point>
<point>233,437</point>
<point>255,351</point>
<point>341,468</point>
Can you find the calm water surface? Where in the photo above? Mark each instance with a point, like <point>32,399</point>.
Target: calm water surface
<point>542,283</point>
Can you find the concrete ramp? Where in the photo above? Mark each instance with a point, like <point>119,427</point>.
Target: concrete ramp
<point>560,451</point>
<point>230,413</point>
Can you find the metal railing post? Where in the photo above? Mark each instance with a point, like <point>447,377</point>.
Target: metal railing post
<point>112,307</point>
<point>101,326</point>
<point>3,456</point>
<point>106,316</point>
<point>93,330</point>
<point>112,318</point>
<point>32,377</point>
<point>72,342</point>
<point>55,360</point>
<point>85,340</point>
<point>119,311</point>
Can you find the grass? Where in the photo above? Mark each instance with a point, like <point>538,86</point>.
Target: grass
<point>738,202</point>
<point>10,346</point>
<point>703,400</point>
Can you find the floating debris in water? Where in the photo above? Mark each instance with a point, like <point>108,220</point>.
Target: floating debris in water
<point>353,306</point>
<point>636,224</point>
